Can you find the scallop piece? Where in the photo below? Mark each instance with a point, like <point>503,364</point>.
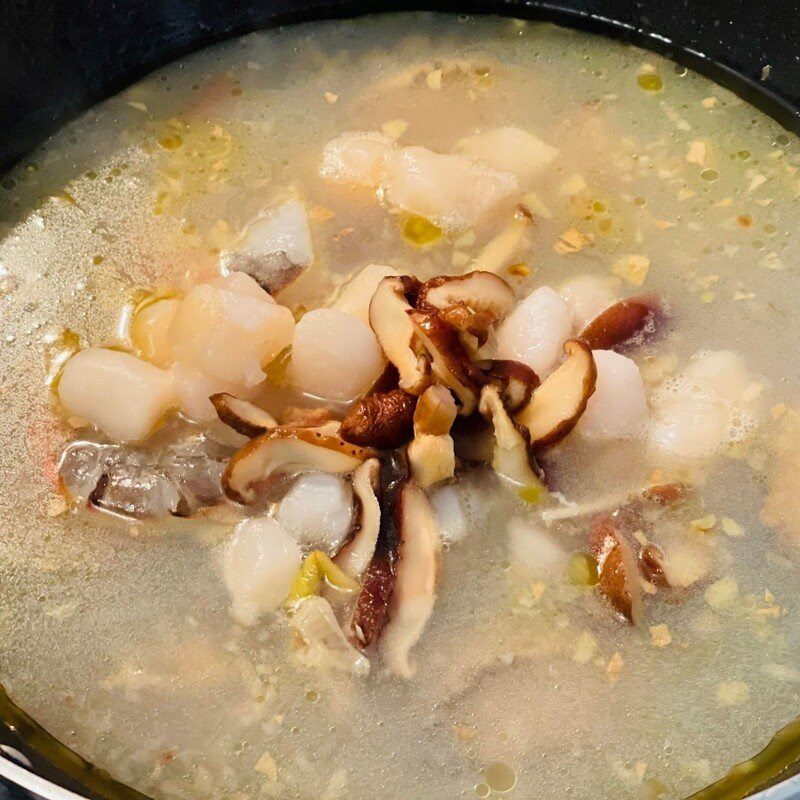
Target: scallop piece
<point>149,330</point>
<point>318,511</point>
<point>618,407</point>
<point>449,512</point>
<point>722,372</point>
<point>334,355</point>
<point>356,295</point>
<point>509,149</point>
<point>587,296</point>
<point>451,191</point>
<point>535,331</point>
<point>260,563</point>
<point>356,158</point>
<point>229,329</point>
<point>689,424</point>
<point>122,395</point>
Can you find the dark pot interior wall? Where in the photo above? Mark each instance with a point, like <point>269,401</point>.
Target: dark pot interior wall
<point>57,57</point>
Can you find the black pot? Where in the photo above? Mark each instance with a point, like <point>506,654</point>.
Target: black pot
<point>58,57</point>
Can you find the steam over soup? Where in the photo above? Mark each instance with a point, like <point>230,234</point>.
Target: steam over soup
<point>405,407</point>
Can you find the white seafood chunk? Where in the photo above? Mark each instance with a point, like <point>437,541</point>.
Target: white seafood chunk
<point>356,158</point>
<point>193,388</point>
<point>533,548</point>
<point>511,150</point>
<point>356,295</point>
<point>618,407</point>
<point>587,296</point>
<point>451,191</point>
<point>275,248</point>
<point>149,330</point>
<point>318,511</point>
<point>449,511</point>
<point>259,564</point>
<point>535,331</point>
<point>689,424</point>
<point>334,355</point>
<point>122,395</point>
<point>229,329</point>
<point>721,372</point>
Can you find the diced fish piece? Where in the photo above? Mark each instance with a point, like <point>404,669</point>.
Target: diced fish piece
<point>510,149</point>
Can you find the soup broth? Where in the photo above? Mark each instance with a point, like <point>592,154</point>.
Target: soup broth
<point>591,167</point>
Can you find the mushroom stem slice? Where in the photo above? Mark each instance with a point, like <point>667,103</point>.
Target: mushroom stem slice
<point>288,450</point>
<point>414,591</point>
<point>432,458</point>
<point>516,382</point>
<point>383,420</point>
<point>355,556</point>
<point>557,405</point>
<point>389,320</point>
<point>435,412</point>
<point>372,606</point>
<point>241,415</point>
<point>617,569</point>
<point>511,458</point>
<point>627,322</point>
<point>450,362</point>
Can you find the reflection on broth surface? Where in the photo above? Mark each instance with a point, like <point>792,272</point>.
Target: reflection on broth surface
<point>579,581</point>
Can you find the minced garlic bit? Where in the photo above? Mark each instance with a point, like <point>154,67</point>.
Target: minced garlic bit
<point>697,152</point>
<point>730,527</point>
<point>394,128</point>
<point>722,593</point>
<point>709,102</point>
<point>434,79</point>
<point>330,97</point>
<point>632,268</point>
<point>614,667</point>
<point>571,241</point>
<point>519,270</point>
<point>660,635</point>
<point>573,185</point>
<point>464,733</point>
<point>733,693</point>
<point>56,506</point>
<point>585,648</point>
<point>756,181</point>
<point>704,524</point>
<point>266,765</point>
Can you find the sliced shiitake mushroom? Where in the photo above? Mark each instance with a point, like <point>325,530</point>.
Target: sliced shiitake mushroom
<point>516,382</point>
<point>510,457</point>
<point>389,320</point>
<point>431,455</point>
<point>241,415</point>
<point>414,591</point>
<point>478,291</point>
<point>383,420</point>
<point>665,494</point>
<point>450,362</point>
<point>356,554</point>
<point>557,405</point>
<point>653,565</point>
<point>617,569</point>
<point>288,450</point>
<point>622,323</point>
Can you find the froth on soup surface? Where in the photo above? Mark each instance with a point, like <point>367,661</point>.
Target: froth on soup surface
<point>588,589</point>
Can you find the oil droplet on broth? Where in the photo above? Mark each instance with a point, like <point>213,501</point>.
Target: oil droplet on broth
<point>482,790</point>
<point>499,777</point>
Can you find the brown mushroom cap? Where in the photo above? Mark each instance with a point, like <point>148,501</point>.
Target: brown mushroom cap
<point>557,405</point>
<point>478,291</point>
<point>623,323</point>
<point>241,415</point>
<point>516,382</point>
<point>414,591</point>
<point>288,450</point>
<point>617,569</point>
<point>390,322</point>
<point>450,363</point>
<point>383,420</point>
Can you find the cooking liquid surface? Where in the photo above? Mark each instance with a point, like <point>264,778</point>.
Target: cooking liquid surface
<point>117,635</point>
